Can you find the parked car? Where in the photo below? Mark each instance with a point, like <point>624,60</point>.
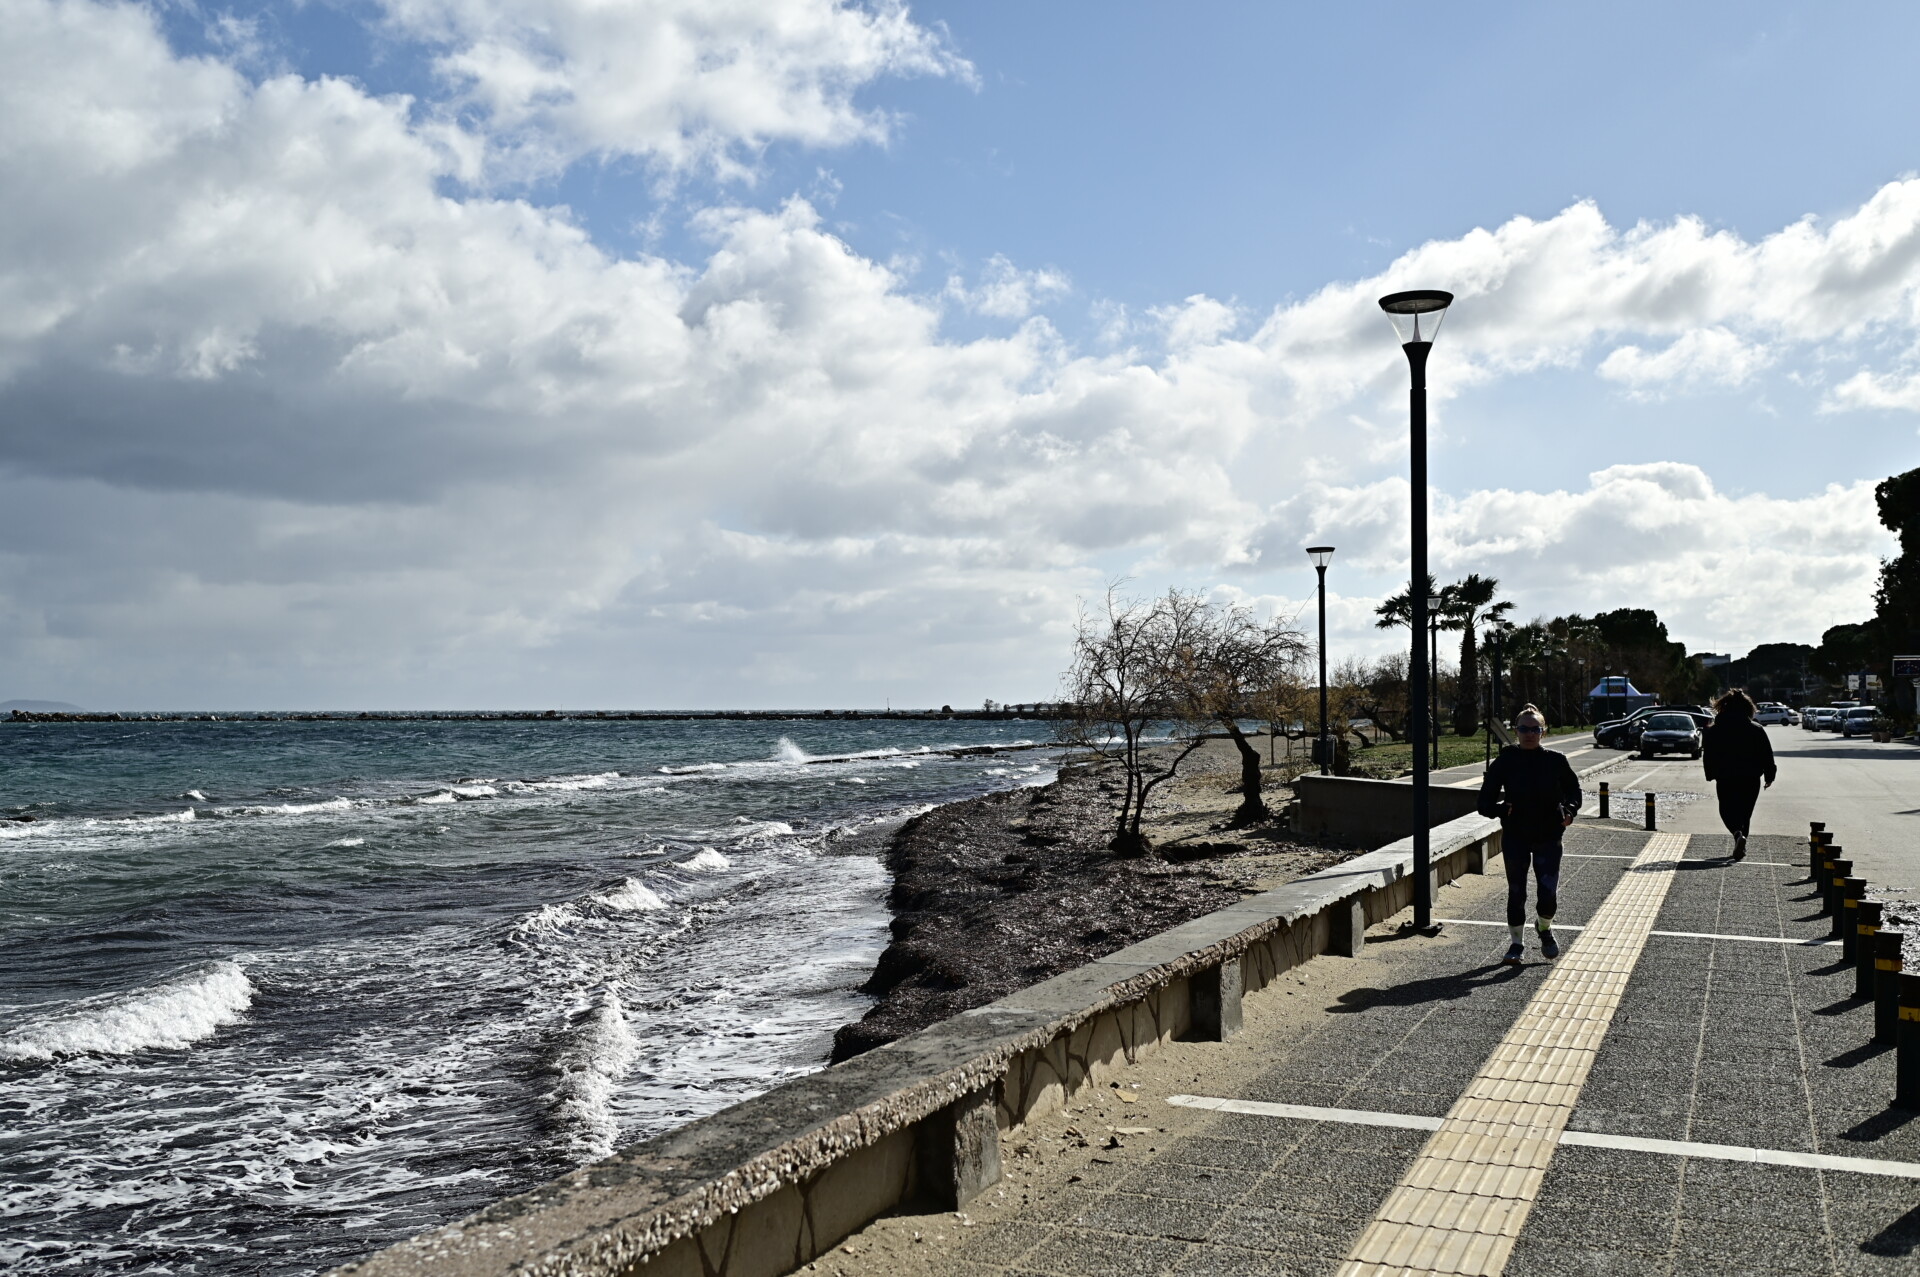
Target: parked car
<point>1772,713</point>
<point>1624,733</point>
<point>1858,721</point>
<point>1670,733</point>
<point>1810,719</point>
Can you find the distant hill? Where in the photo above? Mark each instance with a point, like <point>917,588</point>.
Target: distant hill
<point>41,707</point>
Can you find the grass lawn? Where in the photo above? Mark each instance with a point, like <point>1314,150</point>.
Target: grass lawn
<point>1388,761</point>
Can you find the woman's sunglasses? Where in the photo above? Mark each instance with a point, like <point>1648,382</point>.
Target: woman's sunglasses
<point>1528,731</point>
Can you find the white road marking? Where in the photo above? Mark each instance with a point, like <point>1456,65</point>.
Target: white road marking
<point>1585,1139</point>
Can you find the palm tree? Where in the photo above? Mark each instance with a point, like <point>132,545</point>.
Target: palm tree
<point>1398,609</point>
<point>1473,602</point>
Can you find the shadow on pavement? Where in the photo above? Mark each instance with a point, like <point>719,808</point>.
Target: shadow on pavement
<point>1449,988</point>
<point>1879,1124</point>
<point>1858,1055</point>
<point>1898,1239</point>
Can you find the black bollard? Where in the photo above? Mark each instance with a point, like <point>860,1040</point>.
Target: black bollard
<point>1817,847</point>
<point>1851,893</point>
<point>1829,861</point>
<point>1886,983</point>
<point>1606,801</point>
<point>1906,1064</point>
<point>1836,893</point>
<point>1865,927</point>
<point>1650,824</point>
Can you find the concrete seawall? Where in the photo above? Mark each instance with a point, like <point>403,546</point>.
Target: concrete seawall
<point>763,1187</point>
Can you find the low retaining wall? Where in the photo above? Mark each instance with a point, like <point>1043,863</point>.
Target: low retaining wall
<point>765,1186</point>
<point>1371,812</point>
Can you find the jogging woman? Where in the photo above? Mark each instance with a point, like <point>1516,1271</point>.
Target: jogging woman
<point>1536,795</point>
<point>1737,756</point>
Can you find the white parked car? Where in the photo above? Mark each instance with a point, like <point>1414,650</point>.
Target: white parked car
<point>1772,713</point>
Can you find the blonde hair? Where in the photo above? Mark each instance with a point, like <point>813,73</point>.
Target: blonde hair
<point>1533,712</point>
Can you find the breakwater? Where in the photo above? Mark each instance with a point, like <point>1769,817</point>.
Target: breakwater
<point>1003,714</point>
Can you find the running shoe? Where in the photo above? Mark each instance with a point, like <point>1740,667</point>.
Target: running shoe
<point>1739,846</point>
<point>1515,952</point>
<point>1549,947</point>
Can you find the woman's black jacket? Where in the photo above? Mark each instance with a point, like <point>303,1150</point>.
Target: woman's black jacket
<point>1737,749</point>
<point>1531,791</point>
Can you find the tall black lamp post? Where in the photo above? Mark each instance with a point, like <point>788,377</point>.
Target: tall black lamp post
<point>1323,748</point>
<point>1416,320</point>
<point>1434,604</point>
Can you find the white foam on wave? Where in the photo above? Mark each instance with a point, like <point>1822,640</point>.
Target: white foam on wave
<point>292,809</point>
<point>171,818</point>
<point>172,1014</point>
<point>595,781</point>
<point>785,751</point>
<point>348,842</point>
<point>707,860</point>
<point>196,795</point>
<point>601,1050</point>
<point>469,792</point>
<point>692,769</point>
<point>436,800</point>
<point>746,830</point>
<point>631,896</point>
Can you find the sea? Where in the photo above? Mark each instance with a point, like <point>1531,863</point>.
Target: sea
<point>276,994</point>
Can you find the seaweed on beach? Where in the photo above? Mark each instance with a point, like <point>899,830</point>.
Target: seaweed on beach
<point>999,892</point>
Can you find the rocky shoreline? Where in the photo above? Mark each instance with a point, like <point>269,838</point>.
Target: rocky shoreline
<point>996,893</point>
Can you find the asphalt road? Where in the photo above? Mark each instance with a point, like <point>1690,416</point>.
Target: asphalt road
<point>1868,794</point>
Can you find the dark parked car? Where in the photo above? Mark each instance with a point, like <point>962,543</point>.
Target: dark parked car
<point>1859,721</point>
<point>1624,733</point>
<point>1670,733</point>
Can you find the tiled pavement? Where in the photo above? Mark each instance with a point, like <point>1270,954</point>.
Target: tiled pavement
<point>1756,1045</point>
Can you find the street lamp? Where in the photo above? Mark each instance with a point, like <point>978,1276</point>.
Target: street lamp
<point>1434,603</point>
<point>1321,556</point>
<point>1416,318</point>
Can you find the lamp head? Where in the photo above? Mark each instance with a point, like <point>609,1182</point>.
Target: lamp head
<point>1320,554</point>
<point>1435,603</point>
<point>1416,315</point>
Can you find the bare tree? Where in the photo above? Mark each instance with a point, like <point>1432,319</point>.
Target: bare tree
<point>1230,665</point>
<point>1175,660</point>
<point>1119,687</point>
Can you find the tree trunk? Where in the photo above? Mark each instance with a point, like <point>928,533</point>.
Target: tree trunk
<point>1466,704</point>
<point>1252,809</point>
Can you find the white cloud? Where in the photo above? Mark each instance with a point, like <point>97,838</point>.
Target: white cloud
<point>1007,292</point>
<point>683,83</point>
<point>1704,356</point>
<point>280,412</point>
<point>1867,389</point>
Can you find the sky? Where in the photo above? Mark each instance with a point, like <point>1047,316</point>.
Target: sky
<point>786,353</point>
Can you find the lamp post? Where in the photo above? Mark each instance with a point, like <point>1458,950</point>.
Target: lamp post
<point>1416,320</point>
<point>1434,604</point>
<point>1321,556</point>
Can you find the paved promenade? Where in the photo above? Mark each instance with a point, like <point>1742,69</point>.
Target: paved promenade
<point>1690,1089</point>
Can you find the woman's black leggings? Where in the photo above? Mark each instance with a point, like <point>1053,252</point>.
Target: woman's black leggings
<point>1737,797</point>
<point>1544,859</point>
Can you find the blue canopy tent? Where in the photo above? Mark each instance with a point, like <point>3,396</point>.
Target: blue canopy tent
<point>1615,697</point>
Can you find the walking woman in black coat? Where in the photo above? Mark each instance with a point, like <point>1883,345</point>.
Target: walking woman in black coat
<point>1738,757</point>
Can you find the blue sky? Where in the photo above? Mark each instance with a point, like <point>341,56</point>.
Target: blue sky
<point>825,353</point>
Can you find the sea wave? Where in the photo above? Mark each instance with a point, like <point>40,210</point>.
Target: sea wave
<point>707,860</point>
<point>348,842</point>
<point>631,896</point>
<point>291,809</point>
<point>692,769</point>
<point>174,1013</point>
<point>595,781</point>
<point>598,1054</point>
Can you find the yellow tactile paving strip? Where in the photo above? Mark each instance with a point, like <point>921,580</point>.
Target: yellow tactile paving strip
<point>1462,1204</point>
